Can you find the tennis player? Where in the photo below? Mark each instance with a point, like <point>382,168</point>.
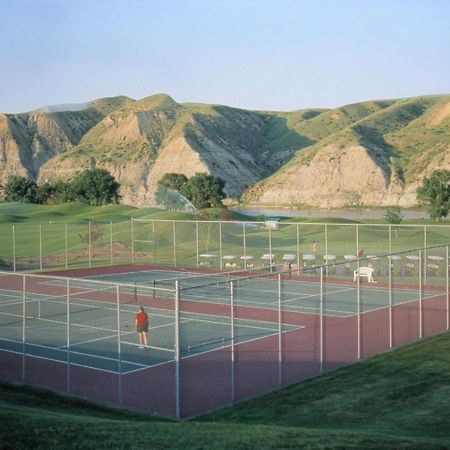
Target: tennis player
<point>142,326</point>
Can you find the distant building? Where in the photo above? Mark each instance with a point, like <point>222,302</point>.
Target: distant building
<point>272,222</point>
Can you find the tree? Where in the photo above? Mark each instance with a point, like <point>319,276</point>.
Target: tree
<point>19,189</point>
<point>435,191</point>
<point>96,187</point>
<point>173,181</point>
<point>393,216</point>
<point>204,191</point>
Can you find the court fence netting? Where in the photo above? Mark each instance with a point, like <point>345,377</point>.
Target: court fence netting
<point>201,244</point>
<point>216,338</point>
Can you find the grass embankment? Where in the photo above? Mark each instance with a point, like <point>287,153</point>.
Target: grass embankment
<point>397,400</point>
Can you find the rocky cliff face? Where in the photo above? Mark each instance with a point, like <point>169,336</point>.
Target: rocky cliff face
<point>372,153</point>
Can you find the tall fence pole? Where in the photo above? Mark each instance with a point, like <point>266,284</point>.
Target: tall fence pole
<point>132,239</point>
<point>391,333</point>
<point>40,247</point>
<point>245,244</point>
<point>420,296</point>
<point>390,238</point>
<point>326,242</point>
<point>447,269</point>
<point>68,334</point>
<point>197,244</point>
<point>174,244</point>
<point>66,244</point>
<point>233,367</point>
<point>220,246</point>
<point>425,254</point>
<point>177,352</point>
<point>89,244</point>
<point>280,334</point>
<point>358,310</point>
<point>24,326</point>
<point>119,347</point>
<point>14,246</point>
<point>111,243</point>
<point>321,330</point>
<point>357,239</point>
<point>298,249</point>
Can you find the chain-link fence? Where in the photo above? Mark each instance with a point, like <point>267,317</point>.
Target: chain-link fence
<point>218,337</point>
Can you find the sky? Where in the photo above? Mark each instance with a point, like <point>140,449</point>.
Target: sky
<point>278,55</point>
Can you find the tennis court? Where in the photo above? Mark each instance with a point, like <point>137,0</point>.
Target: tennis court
<point>214,337</point>
<point>262,291</point>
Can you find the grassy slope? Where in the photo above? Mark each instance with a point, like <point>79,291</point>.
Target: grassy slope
<point>396,400</point>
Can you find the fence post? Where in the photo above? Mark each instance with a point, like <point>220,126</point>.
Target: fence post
<point>111,242</point>
<point>89,244</point>
<point>358,309</point>
<point>174,243</point>
<point>321,321</point>
<point>220,246</point>
<point>280,335</point>
<point>177,352</point>
<point>420,295</point>
<point>233,368</point>
<point>197,244</point>
<point>24,327</point>
<point>14,246</point>
<point>390,238</point>
<point>391,334</point>
<point>326,243</point>
<point>119,348</point>
<point>357,240</point>
<point>66,245</point>
<point>68,333</point>
<point>447,268</point>
<point>132,239</point>
<point>298,248</point>
<point>425,254</point>
<point>40,247</point>
<point>245,245</point>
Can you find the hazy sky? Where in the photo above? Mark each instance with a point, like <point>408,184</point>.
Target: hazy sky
<point>255,54</point>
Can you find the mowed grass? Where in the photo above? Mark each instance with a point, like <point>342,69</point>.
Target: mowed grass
<point>397,400</point>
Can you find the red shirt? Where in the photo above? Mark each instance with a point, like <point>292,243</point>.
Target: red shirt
<point>142,318</point>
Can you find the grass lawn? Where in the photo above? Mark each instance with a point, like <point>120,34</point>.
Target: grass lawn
<point>396,400</point>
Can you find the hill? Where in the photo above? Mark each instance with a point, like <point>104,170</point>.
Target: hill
<point>372,153</point>
<point>396,400</point>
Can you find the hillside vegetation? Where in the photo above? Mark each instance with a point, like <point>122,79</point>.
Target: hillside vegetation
<point>371,153</point>
<point>399,400</point>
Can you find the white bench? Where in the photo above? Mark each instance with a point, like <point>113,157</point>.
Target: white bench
<point>364,272</point>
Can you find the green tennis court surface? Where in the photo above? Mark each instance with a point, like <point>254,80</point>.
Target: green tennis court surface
<point>339,299</point>
<point>93,331</point>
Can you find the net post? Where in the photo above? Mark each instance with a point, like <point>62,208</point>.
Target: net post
<point>68,333</point>
<point>420,296</point>
<point>280,335</point>
<point>358,310</point>
<point>24,319</point>
<point>14,246</point>
<point>233,368</point>
<point>177,352</point>
<point>119,348</point>
<point>321,330</point>
<point>40,247</point>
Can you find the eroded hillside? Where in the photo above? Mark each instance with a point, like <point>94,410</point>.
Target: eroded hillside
<point>372,153</point>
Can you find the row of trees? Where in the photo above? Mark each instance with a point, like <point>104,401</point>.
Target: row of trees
<point>93,186</point>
